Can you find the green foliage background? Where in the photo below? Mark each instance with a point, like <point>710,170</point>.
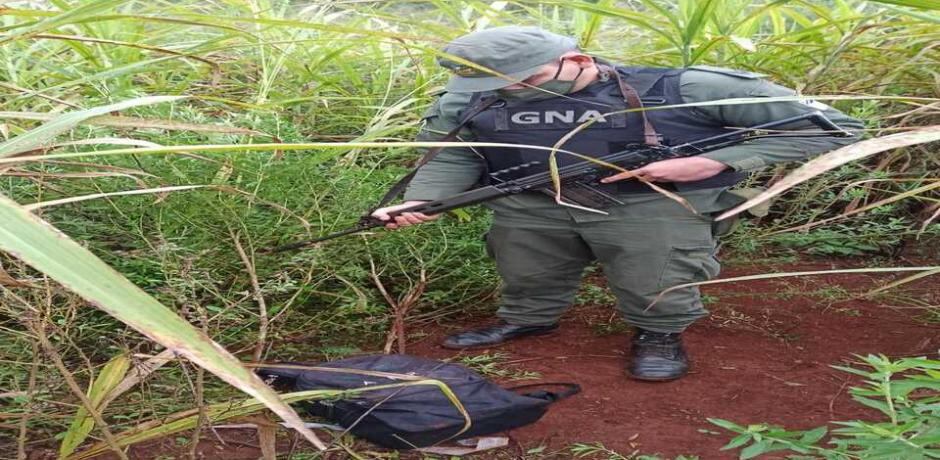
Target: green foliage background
<point>362,71</point>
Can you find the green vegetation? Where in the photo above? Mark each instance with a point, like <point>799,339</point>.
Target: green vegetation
<point>497,366</point>
<point>905,391</point>
<point>257,79</point>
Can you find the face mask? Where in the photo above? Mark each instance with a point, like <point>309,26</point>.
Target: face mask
<point>536,93</point>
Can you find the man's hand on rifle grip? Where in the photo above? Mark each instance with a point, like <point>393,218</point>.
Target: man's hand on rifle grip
<point>405,219</point>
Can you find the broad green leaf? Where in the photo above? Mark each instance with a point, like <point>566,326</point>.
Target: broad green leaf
<point>730,426</point>
<point>903,388</point>
<point>40,245</point>
<point>873,403</point>
<point>738,441</point>
<point>39,137</point>
<point>814,435</point>
<point>924,363</point>
<point>754,450</point>
<point>82,423</point>
<point>853,370</point>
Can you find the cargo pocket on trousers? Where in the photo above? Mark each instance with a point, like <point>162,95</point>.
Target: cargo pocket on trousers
<point>688,264</point>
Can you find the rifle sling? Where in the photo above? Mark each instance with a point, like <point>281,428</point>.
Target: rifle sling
<point>630,96</point>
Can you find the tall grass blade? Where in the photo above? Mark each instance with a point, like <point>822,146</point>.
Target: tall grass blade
<point>38,137</point>
<point>136,122</point>
<point>42,246</point>
<point>104,383</point>
<point>76,199</point>
<point>218,148</point>
<point>916,14</point>
<point>905,280</point>
<point>644,21</point>
<point>593,25</point>
<point>215,67</point>
<point>922,4</point>
<point>838,158</point>
<point>79,13</point>
<point>188,419</point>
<point>898,197</point>
<point>927,270</point>
<point>138,373</point>
<point>700,18</point>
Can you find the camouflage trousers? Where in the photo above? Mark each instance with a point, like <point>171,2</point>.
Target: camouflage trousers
<point>642,247</point>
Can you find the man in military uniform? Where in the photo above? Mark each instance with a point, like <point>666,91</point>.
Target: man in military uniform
<point>546,88</point>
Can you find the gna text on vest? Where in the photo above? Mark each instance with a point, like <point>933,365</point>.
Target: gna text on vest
<point>552,116</point>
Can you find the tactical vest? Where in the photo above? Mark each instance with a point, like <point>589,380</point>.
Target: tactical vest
<point>544,122</point>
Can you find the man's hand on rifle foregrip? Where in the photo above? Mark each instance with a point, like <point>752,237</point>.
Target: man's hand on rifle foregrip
<point>404,219</point>
<point>673,170</point>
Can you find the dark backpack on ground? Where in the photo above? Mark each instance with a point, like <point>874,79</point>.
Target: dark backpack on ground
<point>419,415</point>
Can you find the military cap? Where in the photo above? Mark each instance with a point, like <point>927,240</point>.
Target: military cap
<point>514,51</point>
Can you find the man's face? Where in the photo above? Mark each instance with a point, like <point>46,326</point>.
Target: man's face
<point>571,65</point>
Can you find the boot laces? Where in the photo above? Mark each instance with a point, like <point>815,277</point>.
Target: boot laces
<point>656,338</point>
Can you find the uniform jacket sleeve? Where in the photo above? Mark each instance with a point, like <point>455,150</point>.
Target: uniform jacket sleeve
<point>453,170</point>
<point>699,86</point>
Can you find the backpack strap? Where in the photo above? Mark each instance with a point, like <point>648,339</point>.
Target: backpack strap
<point>571,389</point>
<point>400,186</point>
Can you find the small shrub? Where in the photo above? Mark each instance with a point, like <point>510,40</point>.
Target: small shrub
<point>905,391</point>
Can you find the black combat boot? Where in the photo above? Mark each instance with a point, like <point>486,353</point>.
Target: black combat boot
<point>657,356</point>
<point>493,335</point>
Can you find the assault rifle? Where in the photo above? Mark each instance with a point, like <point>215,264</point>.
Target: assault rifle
<point>579,181</point>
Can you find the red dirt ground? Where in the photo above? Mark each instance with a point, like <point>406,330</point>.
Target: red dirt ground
<point>763,356</point>
<point>758,358</point>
